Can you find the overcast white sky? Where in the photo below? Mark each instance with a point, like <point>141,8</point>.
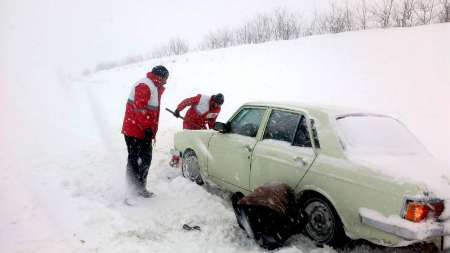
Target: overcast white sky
<point>74,35</point>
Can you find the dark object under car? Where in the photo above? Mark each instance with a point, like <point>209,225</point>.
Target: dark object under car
<point>269,215</point>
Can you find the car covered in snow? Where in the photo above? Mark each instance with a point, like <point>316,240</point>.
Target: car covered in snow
<point>355,175</point>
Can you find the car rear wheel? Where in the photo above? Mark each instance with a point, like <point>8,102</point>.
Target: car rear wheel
<point>323,225</point>
<point>191,168</point>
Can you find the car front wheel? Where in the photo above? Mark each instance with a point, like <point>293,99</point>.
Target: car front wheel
<point>191,168</point>
<point>323,225</point>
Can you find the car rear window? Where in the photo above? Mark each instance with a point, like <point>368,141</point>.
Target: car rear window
<point>376,134</point>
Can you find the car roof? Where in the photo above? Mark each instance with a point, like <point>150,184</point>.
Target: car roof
<point>313,109</point>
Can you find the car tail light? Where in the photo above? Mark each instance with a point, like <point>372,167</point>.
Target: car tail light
<point>418,210</point>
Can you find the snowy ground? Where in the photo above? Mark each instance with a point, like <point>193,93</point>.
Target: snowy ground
<point>62,178</point>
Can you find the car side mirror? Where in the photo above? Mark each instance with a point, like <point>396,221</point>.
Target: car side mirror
<point>222,127</point>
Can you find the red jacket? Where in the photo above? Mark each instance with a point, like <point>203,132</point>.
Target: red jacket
<point>142,109</point>
<point>200,112</point>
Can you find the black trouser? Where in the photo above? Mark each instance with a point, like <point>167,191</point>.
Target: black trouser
<point>139,159</point>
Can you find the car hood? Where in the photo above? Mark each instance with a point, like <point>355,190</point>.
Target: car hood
<point>428,173</point>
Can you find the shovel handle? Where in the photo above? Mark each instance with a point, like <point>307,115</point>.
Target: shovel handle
<point>181,117</point>
<point>173,113</point>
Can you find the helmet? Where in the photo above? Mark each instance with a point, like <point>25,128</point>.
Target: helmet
<point>160,71</point>
<point>218,98</point>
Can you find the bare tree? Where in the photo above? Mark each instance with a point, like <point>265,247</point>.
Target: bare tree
<point>226,38</point>
<point>219,39</point>
<point>403,13</point>
<point>175,46</point>
<point>425,12</point>
<point>178,46</point>
<point>280,25</point>
<point>348,18</point>
<point>255,31</point>
<point>262,29</point>
<point>312,27</point>
<point>243,34</point>
<point>362,15</point>
<point>336,20</point>
<point>382,13</point>
<point>212,41</point>
<point>444,11</point>
<point>286,25</point>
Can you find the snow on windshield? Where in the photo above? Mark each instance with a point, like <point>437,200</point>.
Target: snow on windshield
<point>377,134</point>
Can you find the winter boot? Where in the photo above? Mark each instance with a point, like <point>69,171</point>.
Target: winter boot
<point>145,193</point>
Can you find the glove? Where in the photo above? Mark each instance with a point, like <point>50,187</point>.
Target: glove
<point>176,113</point>
<point>148,134</point>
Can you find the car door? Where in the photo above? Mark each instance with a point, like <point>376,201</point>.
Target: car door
<point>285,152</point>
<point>230,153</point>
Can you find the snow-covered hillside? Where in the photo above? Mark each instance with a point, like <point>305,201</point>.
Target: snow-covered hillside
<point>399,72</point>
<point>63,157</point>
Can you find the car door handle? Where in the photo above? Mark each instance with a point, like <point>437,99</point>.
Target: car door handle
<point>301,160</point>
<point>248,148</point>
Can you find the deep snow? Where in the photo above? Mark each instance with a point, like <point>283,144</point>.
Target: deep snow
<point>63,156</point>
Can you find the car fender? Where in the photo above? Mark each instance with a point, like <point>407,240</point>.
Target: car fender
<point>196,140</point>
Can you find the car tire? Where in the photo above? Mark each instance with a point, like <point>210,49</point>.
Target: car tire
<point>190,168</point>
<point>323,224</point>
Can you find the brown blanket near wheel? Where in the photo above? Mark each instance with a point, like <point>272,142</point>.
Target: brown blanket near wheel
<point>271,213</point>
<point>275,197</point>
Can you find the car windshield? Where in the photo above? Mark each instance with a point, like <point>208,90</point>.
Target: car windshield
<point>373,134</point>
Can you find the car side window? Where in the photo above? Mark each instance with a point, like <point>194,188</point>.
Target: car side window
<point>302,137</point>
<point>282,126</point>
<point>247,121</point>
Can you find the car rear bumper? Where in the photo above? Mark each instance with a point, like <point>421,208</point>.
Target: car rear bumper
<point>406,229</point>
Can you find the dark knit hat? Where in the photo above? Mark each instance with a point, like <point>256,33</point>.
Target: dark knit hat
<point>160,71</point>
<point>218,98</point>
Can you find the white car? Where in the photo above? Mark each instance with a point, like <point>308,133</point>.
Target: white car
<point>357,175</point>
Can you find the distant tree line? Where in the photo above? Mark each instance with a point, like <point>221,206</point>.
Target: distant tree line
<point>339,17</point>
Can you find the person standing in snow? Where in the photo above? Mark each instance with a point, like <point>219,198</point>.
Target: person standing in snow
<point>203,111</point>
<point>140,125</point>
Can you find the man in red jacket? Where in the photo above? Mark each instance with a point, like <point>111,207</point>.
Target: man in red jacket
<point>203,111</point>
<point>140,125</point>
